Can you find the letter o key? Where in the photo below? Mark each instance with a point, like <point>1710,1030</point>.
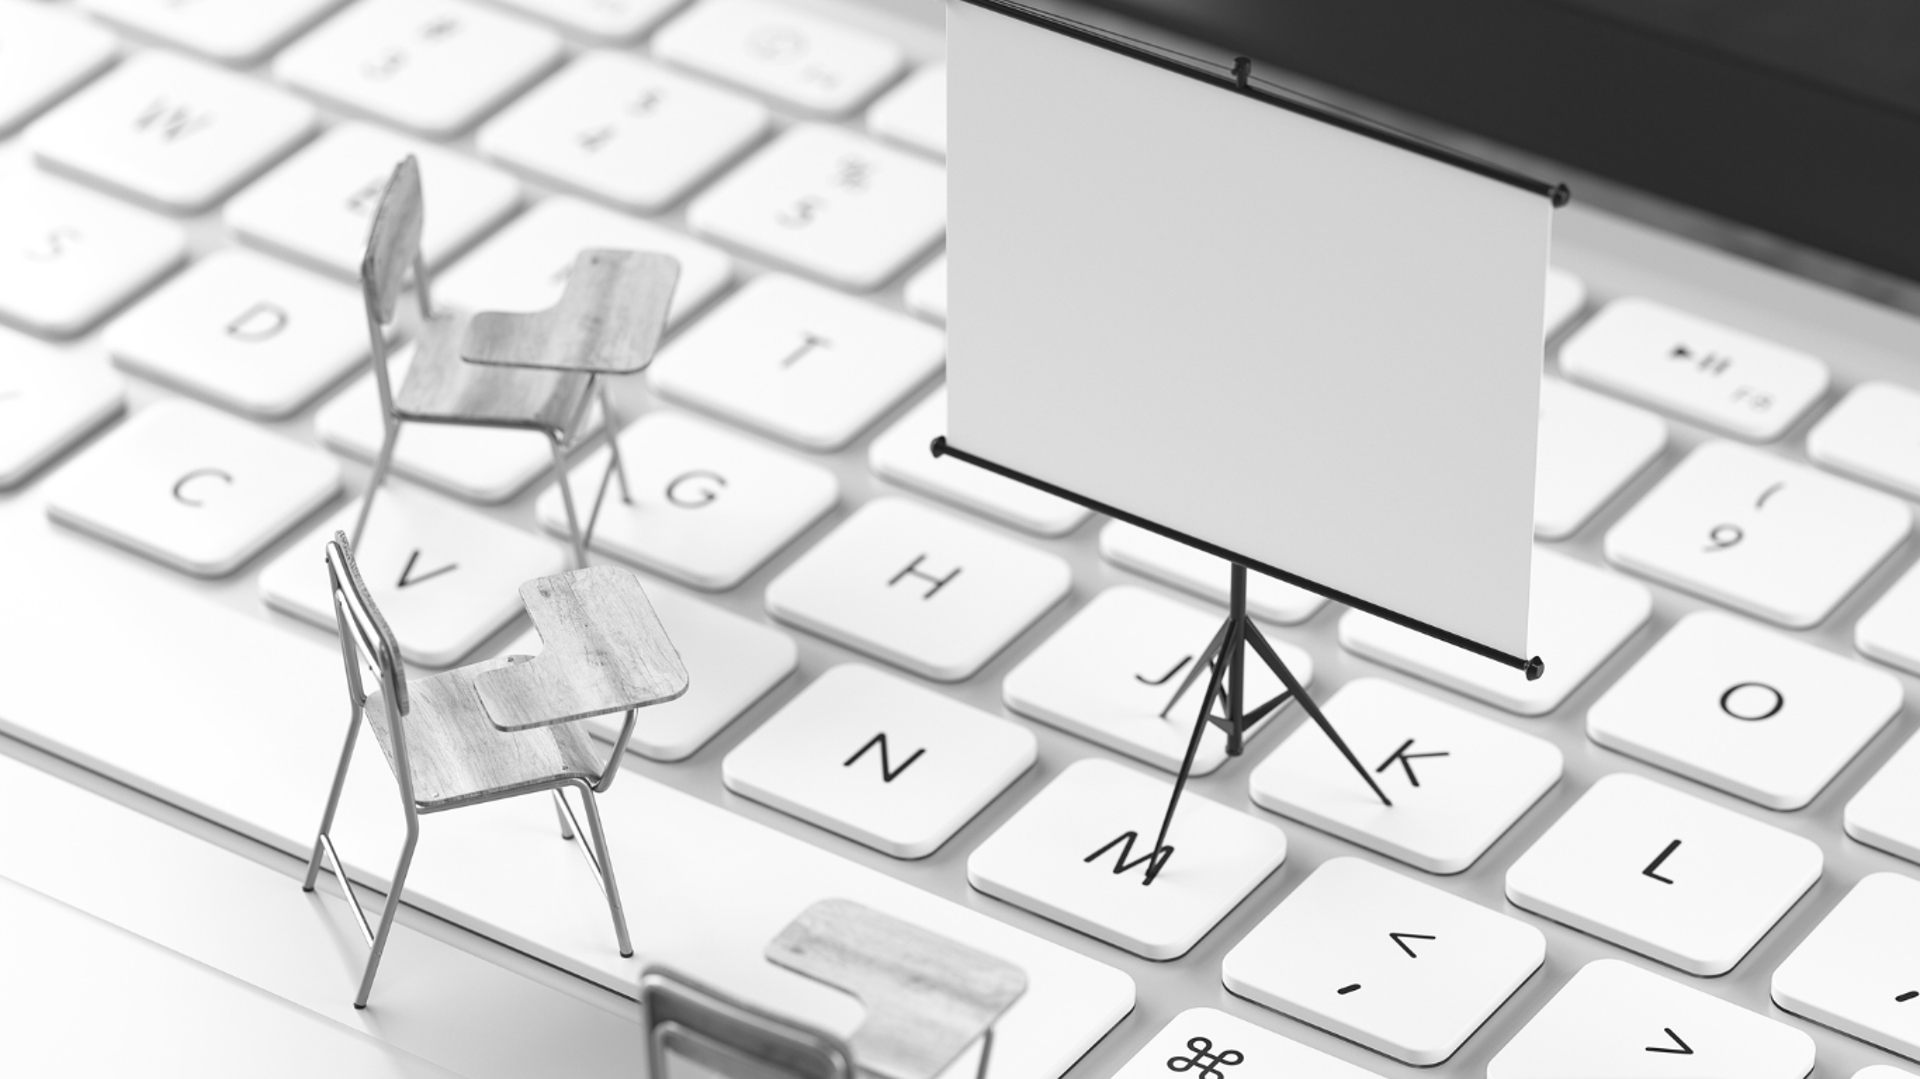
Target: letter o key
<point>1752,701</point>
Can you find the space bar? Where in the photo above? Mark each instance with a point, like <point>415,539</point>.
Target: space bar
<point>120,668</point>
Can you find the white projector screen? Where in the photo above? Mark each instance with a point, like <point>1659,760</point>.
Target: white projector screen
<point>1309,348</point>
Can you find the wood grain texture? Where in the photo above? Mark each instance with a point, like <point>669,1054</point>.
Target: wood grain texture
<point>394,239</point>
<point>604,650</point>
<point>458,758</point>
<point>608,321</point>
<point>440,388</point>
<point>927,997</point>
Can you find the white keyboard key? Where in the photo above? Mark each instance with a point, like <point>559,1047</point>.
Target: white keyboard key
<point>919,588</point>
<point>880,760</point>
<point>479,464</point>
<point>1744,709</point>
<point>1381,959</point>
<point>49,400</point>
<point>709,506</point>
<point>830,203</point>
<point>176,133</point>
<point>794,57</point>
<point>915,112</point>
<point>1700,370</point>
<point>926,291</point>
<point>1856,971</point>
<point>318,206</point>
<point>524,266</point>
<point>246,331</point>
<point>625,130</point>
<point>1869,435</point>
<point>1566,294</point>
<point>1613,1020</point>
<point>902,453</point>
<point>610,21</point>
<point>1590,446</point>
<point>1665,874</point>
<point>1890,630</point>
<point>43,54</point>
<point>1211,1044</point>
<point>192,487</point>
<point>731,663</point>
<point>69,256</point>
<point>1581,616</point>
<point>1883,1071</point>
<point>1112,669</point>
<point>1458,781</point>
<point>431,66</point>
<point>1174,563</point>
<point>1758,533</point>
<point>498,870</point>
<point>445,577</point>
<point>799,361</point>
<point>1078,852</point>
<point>231,31</point>
<point>1886,811</point>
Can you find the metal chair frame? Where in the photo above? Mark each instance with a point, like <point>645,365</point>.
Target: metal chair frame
<point>394,245</point>
<point>364,636</point>
<point>729,1037</point>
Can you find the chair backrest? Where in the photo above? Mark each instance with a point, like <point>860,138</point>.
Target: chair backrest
<point>364,633</point>
<point>393,249</point>
<point>729,1037</point>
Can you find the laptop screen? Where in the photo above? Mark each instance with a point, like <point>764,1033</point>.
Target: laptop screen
<point>1797,117</point>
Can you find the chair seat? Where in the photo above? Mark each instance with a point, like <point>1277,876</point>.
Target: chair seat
<point>460,758</point>
<point>443,388</point>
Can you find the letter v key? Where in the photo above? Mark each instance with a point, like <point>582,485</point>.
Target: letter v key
<point>407,579</point>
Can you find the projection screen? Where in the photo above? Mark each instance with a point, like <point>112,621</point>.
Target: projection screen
<point>1307,348</point>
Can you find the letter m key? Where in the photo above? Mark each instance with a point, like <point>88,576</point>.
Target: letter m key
<point>1125,841</point>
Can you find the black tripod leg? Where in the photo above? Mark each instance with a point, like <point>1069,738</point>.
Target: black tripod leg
<point>1186,769</point>
<point>1199,663</point>
<point>1299,692</point>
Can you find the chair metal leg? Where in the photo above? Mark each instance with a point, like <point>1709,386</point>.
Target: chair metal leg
<point>611,421</point>
<point>387,915</point>
<point>560,810</point>
<point>566,499</point>
<point>381,466</point>
<point>333,804</point>
<point>605,862</point>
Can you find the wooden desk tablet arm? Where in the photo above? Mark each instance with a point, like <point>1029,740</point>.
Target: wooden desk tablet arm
<point>927,997</point>
<point>608,321</point>
<point>604,651</point>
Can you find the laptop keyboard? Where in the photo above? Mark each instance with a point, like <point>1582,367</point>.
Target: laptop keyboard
<point>915,684</point>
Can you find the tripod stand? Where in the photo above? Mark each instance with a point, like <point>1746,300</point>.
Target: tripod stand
<point>1226,655</point>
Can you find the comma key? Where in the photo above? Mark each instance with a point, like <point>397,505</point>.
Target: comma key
<point>919,588</point>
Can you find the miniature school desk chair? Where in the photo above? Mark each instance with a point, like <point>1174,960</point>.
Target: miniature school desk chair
<point>927,999</point>
<point>532,371</point>
<point>502,727</point>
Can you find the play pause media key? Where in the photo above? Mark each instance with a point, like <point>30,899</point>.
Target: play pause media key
<point>1382,959</point>
<point>1201,1043</point>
